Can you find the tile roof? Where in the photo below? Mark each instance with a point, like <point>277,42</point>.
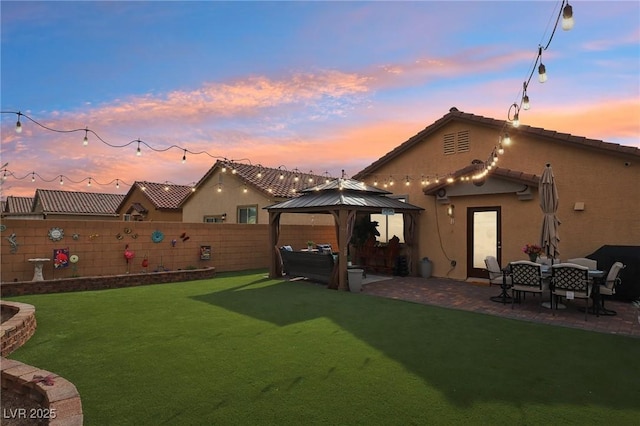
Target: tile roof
<point>456,115</point>
<point>271,182</point>
<point>15,204</point>
<point>79,203</point>
<point>163,195</point>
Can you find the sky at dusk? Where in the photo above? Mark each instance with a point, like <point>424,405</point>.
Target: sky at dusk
<point>321,86</point>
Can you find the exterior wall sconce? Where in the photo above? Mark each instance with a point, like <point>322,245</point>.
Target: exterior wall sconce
<point>223,217</point>
<point>450,213</point>
<point>578,206</point>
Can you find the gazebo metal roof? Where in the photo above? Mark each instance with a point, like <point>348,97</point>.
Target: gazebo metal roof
<point>342,193</point>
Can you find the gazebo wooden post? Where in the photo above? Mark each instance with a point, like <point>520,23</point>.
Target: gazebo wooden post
<point>275,268</point>
<point>343,214</point>
<point>415,253</point>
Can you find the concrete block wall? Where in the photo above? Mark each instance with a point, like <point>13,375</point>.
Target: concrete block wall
<point>100,246</point>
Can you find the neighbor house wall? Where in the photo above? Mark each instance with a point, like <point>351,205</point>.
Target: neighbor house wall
<point>101,244</point>
<point>600,179</point>
<point>224,193</point>
<point>153,214</point>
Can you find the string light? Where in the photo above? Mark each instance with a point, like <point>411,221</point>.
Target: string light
<point>515,122</point>
<point>567,17</point>
<point>525,98</point>
<point>566,12</point>
<point>18,124</point>
<point>33,176</point>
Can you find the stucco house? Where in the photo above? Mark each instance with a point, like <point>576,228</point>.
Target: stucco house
<point>480,195</point>
<point>152,201</point>
<point>233,192</point>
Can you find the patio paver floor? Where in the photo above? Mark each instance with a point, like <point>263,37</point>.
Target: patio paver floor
<point>475,297</point>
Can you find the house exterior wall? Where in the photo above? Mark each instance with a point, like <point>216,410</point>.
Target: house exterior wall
<point>101,246</point>
<point>138,196</point>
<point>608,188</point>
<point>208,201</point>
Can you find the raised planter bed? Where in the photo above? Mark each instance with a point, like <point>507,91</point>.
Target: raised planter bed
<point>21,288</point>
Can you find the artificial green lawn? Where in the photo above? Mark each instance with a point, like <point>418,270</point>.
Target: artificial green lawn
<point>243,349</point>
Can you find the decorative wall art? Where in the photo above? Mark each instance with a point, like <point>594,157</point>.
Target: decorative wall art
<point>56,234</point>
<point>13,242</point>
<point>61,258</point>
<point>205,252</point>
<point>157,236</point>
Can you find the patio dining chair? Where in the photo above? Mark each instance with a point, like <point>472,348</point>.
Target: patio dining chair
<point>526,277</point>
<point>608,288</point>
<point>494,270</point>
<point>570,281</point>
<point>583,261</point>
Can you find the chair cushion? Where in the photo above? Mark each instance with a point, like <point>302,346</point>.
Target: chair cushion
<point>528,289</point>
<point>576,294</point>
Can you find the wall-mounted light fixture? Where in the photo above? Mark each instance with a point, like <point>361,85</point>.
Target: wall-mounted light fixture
<point>451,213</point>
<point>223,217</point>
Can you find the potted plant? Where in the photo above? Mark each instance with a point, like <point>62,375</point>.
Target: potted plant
<point>310,245</point>
<point>363,229</point>
<point>533,251</point>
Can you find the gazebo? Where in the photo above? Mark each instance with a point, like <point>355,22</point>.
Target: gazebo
<point>344,198</point>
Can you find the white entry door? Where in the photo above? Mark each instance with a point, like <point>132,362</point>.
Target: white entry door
<point>483,238</point>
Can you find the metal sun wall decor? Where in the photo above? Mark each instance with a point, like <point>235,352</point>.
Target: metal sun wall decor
<point>56,234</point>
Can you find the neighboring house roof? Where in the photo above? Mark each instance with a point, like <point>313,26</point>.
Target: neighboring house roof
<point>343,193</point>
<point>163,196</point>
<point>15,204</point>
<point>271,182</point>
<point>455,115</point>
<point>76,203</point>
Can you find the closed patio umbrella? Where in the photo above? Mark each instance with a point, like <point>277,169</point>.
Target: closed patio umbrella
<point>548,193</point>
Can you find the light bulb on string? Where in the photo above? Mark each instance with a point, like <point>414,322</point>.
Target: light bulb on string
<point>85,141</point>
<point>61,181</point>
<point>33,176</point>
<point>184,157</point>
<point>542,73</point>
<point>117,183</point>
<point>89,183</point>
<point>567,17</point>
<point>138,152</point>
<point>18,124</point>
<point>506,139</point>
<point>515,121</point>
